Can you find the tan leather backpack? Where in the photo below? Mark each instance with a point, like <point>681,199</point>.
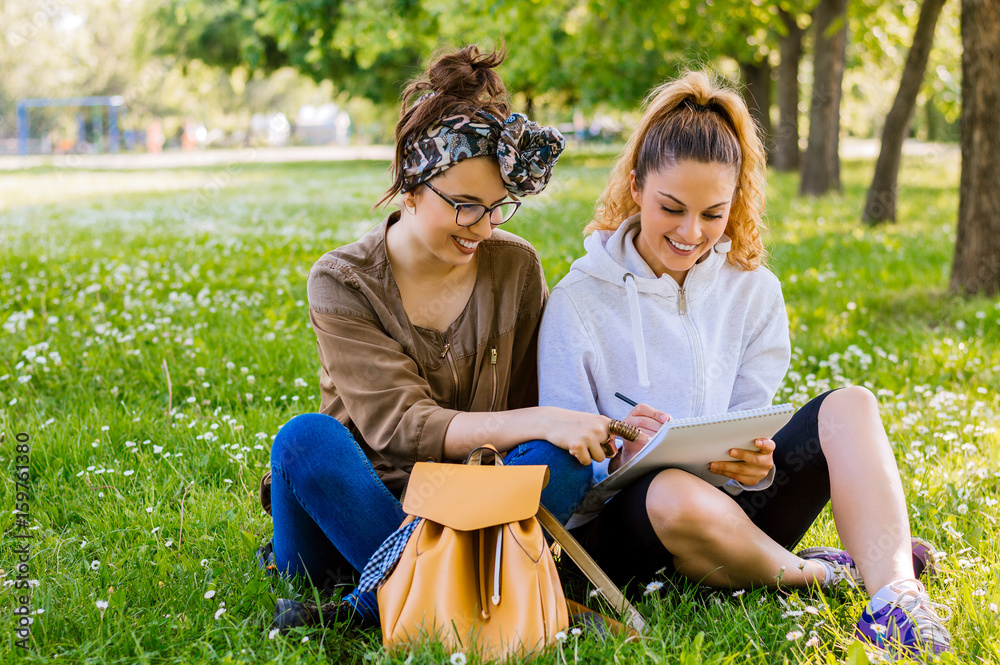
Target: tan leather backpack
<point>477,573</point>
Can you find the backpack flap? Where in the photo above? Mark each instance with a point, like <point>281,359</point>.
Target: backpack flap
<point>468,497</point>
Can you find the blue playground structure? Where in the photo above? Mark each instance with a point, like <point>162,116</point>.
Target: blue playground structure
<point>114,105</point>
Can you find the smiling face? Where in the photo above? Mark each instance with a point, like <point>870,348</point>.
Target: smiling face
<point>684,210</point>
<point>431,219</point>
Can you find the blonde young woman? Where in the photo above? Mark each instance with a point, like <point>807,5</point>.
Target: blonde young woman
<point>672,307</point>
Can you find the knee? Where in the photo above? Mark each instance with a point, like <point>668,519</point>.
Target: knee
<point>679,504</point>
<point>846,410</point>
<point>562,465</point>
<point>852,402</point>
<point>306,434</point>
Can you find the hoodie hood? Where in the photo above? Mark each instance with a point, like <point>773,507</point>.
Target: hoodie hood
<point>612,257</point>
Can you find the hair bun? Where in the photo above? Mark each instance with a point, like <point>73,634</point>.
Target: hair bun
<point>468,74</point>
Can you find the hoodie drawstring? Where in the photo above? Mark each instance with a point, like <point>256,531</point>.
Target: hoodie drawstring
<point>638,342</point>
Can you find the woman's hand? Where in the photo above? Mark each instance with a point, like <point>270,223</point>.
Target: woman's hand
<point>581,434</point>
<point>648,420</point>
<point>752,468</point>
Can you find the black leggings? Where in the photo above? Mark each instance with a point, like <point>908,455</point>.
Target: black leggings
<point>622,539</point>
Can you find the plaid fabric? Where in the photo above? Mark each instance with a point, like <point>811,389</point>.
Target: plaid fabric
<point>382,563</point>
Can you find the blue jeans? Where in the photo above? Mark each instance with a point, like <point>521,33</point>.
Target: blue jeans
<point>331,511</point>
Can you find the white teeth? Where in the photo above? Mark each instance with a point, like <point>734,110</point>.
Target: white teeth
<point>683,248</point>
<point>466,243</point>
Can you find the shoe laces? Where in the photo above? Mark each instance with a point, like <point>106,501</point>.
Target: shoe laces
<point>837,574</point>
<point>838,565</point>
<point>925,614</point>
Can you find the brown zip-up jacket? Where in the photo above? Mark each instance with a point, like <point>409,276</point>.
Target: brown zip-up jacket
<point>396,386</point>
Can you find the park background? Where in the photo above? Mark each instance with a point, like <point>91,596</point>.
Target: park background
<point>153,307</point>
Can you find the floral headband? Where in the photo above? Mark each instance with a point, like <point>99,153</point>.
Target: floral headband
<point>526,152</point>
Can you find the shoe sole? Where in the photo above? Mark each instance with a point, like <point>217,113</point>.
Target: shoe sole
<point>286,617</point>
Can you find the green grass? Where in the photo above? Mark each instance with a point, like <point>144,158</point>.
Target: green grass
<point>112,278</point>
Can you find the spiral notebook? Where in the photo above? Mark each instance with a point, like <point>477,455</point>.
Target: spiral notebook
<point>690,444</point>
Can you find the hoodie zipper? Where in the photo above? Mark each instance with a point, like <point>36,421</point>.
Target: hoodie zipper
<point>699,365</point>
<point>493,365</point>
<point>450,355</point>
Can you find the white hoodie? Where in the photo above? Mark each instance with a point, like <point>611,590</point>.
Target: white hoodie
<point>718,344</point>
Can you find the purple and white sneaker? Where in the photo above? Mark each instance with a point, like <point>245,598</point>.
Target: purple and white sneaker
<point>907,625</point>
<point>925,558</point>
<point>840,567</point>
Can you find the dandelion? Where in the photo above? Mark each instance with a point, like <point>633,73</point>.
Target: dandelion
<point>204,563</point>
<point>101,605</point>
<point>210,594</point>
<point>561,636</point>
<point>653,587</point>
<point>575,632</point>
<point>458,658</point>
<point>963,509</point>
<point>993,608</point>
<point>200,371</point>
<point>794,635</point>
<point>149,509</point>
<point>594,593</point>
<point>105,428</point>
<point>273,634</point>
<point>95,565</point>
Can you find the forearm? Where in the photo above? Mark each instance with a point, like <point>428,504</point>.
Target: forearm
<point>501,429</point>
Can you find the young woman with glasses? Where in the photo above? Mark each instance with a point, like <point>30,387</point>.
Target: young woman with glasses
<point>427,332</point>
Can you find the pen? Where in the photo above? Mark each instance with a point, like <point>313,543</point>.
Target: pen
<point>626,400</point>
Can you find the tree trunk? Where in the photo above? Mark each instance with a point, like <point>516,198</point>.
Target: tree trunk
<point>881,204</point>
<point>977,249</point>
<point>757,94</point>
<point>821,163</point>
<point>786,138</point>
<point>529,105</point>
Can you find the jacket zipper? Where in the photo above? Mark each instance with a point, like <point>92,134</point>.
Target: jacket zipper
<point>493,365</point>
<point>699,369</point>
<point>454,371</point>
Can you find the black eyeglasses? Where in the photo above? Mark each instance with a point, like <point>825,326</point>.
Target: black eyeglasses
<point>469,214</point>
